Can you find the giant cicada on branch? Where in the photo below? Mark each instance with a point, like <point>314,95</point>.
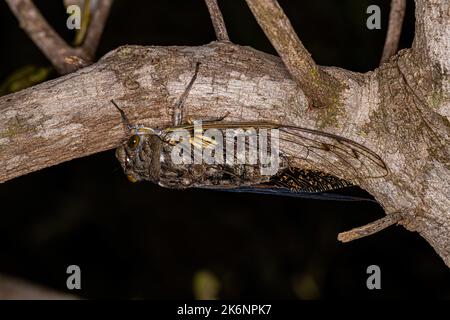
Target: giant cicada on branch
<point>244,156</point>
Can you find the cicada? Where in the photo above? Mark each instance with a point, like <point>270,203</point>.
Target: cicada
<point>258,157</point>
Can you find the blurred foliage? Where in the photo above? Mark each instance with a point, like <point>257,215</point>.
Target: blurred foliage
<point>24,77</point>
<point>80,34</point>
<point>305,287</point>
<point>206,285</point>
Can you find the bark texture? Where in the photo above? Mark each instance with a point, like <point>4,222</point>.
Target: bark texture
<point>400,111</point>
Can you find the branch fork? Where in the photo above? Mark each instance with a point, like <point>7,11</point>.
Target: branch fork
<point>64,58</point>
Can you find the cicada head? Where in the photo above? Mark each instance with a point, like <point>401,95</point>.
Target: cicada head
<point>140,157</point>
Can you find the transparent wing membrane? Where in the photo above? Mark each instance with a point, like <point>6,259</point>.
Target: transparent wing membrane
<point>337,153</point>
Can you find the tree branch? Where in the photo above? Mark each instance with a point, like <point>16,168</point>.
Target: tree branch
<point>321,88</point>
<point>96,27</point>
<point>369,229</point>
<point>16,289</point>
<point>217,20</point>
<point>63,57</point>
<point>43,35</point>
<point>394,31</point>
<point>72,116</point>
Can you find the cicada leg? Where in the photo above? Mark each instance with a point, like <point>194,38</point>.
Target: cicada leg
<point>178,110</point>
<point>191,121</point>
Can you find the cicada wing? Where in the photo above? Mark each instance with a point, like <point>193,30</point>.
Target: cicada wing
<point>280,191</point>
<point>336,154</point>
<point>299,183</point>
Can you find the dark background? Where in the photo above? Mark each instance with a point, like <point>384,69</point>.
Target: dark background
<point>142,241</point>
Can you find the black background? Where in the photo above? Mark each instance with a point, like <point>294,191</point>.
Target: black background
<point>142,241</point>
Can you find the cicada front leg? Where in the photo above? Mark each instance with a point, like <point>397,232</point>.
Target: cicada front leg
<point>179,106</point>
<point>191,121</point>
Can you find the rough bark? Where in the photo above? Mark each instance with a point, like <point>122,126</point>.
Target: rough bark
<point>400,111</point>
<point>217,20</point>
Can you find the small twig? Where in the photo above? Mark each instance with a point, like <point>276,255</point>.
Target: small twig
<point>396,16</point>
<point>370,228</point>
<point>96,27</point>
<point>63,57</point>
<point>217,20</point>
<point>321,89</point>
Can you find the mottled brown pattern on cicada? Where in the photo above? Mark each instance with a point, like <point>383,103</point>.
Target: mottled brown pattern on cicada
<point>299,180</point>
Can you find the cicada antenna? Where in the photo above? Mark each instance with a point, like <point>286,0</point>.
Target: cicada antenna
<point>135,129</point>
<point>124,116</point>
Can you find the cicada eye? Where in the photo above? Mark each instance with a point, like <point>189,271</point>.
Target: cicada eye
<point>133,142</point>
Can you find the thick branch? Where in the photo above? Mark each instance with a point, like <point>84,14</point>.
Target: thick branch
<point>322,89</point>
<point>394,29</point>
<point>217,20</point>
<point>73,117</point>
